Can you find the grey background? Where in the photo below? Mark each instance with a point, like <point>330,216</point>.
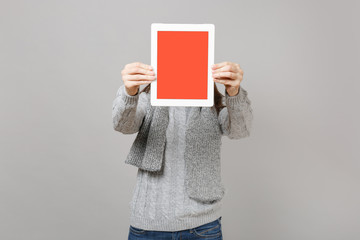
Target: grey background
<point>62,170</point>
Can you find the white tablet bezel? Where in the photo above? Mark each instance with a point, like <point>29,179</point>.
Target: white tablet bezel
<point>210,28</point>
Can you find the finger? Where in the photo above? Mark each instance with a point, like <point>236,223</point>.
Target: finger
<point>229,75</point>
<point>137,70</point>
<point>139,77</point>
<point>227,68</point>
<point>241,71</point>
<point>225,82</point>
<point>136,83</point>
<point>138,64</point>
<point>218,65</point>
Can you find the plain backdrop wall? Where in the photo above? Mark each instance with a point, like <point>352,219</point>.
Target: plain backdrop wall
<point>62,170</point>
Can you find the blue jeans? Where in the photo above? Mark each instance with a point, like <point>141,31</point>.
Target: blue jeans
<point>211,230</point>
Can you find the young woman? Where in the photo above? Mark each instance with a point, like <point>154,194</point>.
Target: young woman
<point>178,192</point>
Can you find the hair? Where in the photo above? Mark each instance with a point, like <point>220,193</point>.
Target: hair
<point>218,96</point>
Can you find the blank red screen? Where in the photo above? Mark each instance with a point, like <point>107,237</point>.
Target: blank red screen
<point>182,65</point>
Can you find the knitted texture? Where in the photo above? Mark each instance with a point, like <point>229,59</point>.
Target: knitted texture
<point>202,155</point>
<point>159,201</point>
<point>147,149</point>
<point>203,141</point>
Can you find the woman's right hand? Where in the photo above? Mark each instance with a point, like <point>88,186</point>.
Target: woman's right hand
<point>136,74</point>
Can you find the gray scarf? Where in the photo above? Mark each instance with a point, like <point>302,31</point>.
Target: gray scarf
<point>202,151</point>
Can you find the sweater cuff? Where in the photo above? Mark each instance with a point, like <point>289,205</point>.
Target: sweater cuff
<point>237,99</point>
<point>127,98</point>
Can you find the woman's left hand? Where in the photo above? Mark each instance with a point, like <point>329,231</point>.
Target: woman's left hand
<point>230,74</point>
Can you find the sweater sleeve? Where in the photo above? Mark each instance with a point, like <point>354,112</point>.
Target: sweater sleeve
<point>129,111</point>
<point>236,118</point>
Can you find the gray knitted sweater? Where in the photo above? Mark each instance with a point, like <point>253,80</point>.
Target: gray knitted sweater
<point>159,201</point>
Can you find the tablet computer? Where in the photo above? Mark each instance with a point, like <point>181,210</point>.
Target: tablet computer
<point>182,55</point>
